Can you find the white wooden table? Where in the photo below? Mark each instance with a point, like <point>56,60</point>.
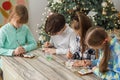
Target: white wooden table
<point>39,68</point>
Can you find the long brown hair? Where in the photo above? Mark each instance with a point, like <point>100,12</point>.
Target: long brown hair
<point>81,23</point>
<point>21,11</point>
<point>98,37</point>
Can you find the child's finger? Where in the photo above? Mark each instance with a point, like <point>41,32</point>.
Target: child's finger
<point>47,43</point>
<point>75,64</point>
<point>85,63</point>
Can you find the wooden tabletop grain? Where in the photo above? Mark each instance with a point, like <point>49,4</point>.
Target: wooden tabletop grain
<point>41,68</point>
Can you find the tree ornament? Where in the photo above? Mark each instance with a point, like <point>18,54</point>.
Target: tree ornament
<point>91,13</point>
<point>87,9</point>
<point>113,9</point>
<point>95,23</point>
<point>111,16</point>
<point>118,21</point>
<point>104,4</point>
<point>74,8</point>
<point>110,1</point>
<point>69,16</point>
<point>70,11</point>
<point>119,15</point>
<point>93,9</point>
<point>104,12</point>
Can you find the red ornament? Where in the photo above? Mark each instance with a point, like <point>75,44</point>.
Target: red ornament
<point>7,5</point>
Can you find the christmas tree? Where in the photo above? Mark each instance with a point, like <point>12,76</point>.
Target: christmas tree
<point>102,12</point>
<point>43,36</point>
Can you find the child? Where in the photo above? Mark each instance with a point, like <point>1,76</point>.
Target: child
<point>81,23</point>
<point>108,64</point>
<point>62,36</point>
<point>15,36</point>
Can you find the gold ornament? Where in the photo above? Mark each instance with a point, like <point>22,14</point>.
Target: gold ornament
<point>119,15</point>
<point>104,12</point>
<point>110,1</point>
<point>74,8</point>
<point>113,9</point>
<point>104,4</point>
<point>70,11</point>
<point>119,21</point>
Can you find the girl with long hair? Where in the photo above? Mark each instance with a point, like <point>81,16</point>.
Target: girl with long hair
<point>80,24</point>
<point>108,65</point>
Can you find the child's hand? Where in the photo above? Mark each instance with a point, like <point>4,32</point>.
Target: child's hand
<point>47,44</point>
<point>78,63</point>
<point>95,67</point>
<point>50,50</point>
<point>19,50</point>
<point>87,62</point>
<point>69,55</point>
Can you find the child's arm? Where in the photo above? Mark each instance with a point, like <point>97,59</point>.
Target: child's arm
<point>4,51</point>
<point>94,62</point>
<point>61,51</point>
<point>49,50</point>
<point>69,55</point>
<point>74,43</point>
<point>47,45</point>
<point>31,43</point>
<point>114,73</point>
